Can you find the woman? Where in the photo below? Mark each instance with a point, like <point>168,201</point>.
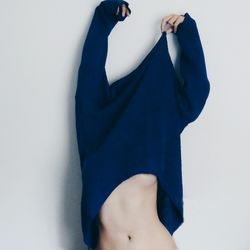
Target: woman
<point>127,223</point>
<point>129,135</point>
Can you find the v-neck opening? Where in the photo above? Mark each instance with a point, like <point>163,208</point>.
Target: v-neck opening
<point>142,61</point>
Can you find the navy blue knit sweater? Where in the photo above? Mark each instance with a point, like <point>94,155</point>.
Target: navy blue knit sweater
<point>134,124</point>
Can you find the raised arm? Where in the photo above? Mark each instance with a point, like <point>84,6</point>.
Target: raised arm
<point>195,87</point>
<point>92,86</point>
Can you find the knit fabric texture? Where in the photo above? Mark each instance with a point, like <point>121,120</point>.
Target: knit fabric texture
<point>134,125</point>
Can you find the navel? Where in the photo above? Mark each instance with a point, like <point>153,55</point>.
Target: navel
<point>129,237</point>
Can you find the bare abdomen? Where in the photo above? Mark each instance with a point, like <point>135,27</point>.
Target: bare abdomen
<point>128,219</point>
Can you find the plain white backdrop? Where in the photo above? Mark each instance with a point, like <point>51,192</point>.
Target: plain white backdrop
<point>40,180</point>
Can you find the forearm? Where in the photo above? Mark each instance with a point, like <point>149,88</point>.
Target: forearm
<point>91,85</point>
<point>195,87</point>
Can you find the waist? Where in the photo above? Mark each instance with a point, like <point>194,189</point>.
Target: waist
<point>128,219</point>
<point>148,237</point>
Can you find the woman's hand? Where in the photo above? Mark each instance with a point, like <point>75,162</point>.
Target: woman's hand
<point>124,10</point>
<point>170,23</point>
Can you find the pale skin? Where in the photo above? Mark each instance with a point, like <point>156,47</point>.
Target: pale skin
<point>128,219</point>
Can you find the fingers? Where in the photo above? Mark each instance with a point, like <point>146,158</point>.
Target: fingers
<point>128,13</point>
<point>165,22</point>
<point>125,11</point>
<point>171,22</point>
<point>177,22</point>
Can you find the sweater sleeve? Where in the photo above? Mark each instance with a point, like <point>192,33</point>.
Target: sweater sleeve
<point>92,85</point>
<point>194,88</point>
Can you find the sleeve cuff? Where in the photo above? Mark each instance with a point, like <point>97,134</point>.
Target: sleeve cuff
<point>187,24</point>
<point>109,8</point>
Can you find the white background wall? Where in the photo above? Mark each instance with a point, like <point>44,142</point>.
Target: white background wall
<point>40,183</point>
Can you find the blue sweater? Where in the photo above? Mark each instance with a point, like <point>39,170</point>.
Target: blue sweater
<point>134,124</point>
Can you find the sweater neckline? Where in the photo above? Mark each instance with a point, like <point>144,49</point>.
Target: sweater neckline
<point>162,38</point>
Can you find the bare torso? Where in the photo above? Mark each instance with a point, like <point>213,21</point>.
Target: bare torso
<point>128,219</point>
